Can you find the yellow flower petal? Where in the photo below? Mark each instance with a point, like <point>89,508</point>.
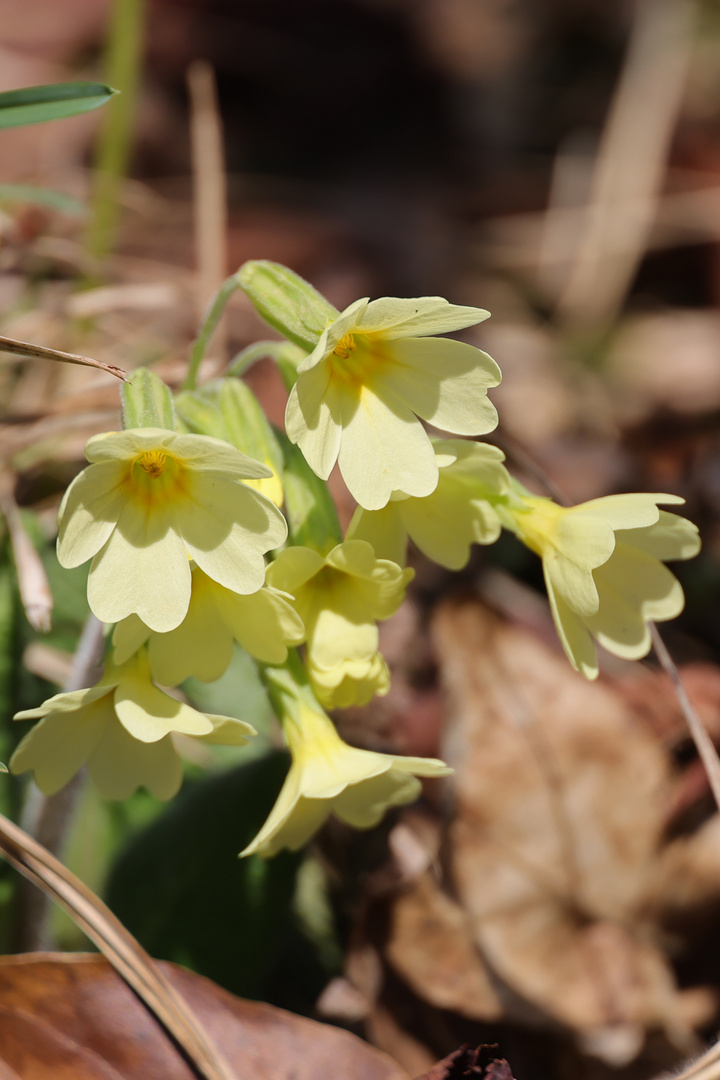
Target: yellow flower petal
<point>328,776</point>
<point>122,764</point>
<point>148,714</point>
<point>62,742</point>
<point>400,317</point>
<point>384,530</point>
<point>152,497</point>
<point>313,419</point>
<point>142,569</point>
<point>359,393</point>
<point>227,539</point>
<point>384,448</point>
<point>89,512</point>
<point>458,402</point>
<point>339,598</point>
<point>610,597</point>
<point>573,632</point>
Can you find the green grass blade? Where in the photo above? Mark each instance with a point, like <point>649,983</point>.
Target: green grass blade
<point>34,104</point>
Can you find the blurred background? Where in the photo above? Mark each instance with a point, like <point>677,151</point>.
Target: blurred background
<point>557,162</point>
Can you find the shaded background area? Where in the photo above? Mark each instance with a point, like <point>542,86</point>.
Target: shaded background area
<point>556,162</point>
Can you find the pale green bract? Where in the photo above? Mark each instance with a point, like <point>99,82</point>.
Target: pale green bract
<point>339,597</point>
<point>150,500</point>
<point>329,777</point>
<point>444,524</point>
<point>603,568</point>
<point>122,729</point>
<point>374,372</point>
<point>263,623</point>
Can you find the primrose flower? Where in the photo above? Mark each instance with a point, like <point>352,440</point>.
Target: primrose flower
<point>443,525</point>
<point>360,392</point>
<point>263,622</point>
<point>329,777</point>
<point>339,596</point>
<point>603,569</point>
<point>150,499</point>
<point>122,728</point>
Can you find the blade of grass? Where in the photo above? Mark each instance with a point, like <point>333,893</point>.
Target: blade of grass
<point>124,52</point>
<point>209,187</point>
<point>35,104</point>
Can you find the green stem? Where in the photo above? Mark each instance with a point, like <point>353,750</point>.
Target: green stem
<point>207,328</point>
<point>124,53</point>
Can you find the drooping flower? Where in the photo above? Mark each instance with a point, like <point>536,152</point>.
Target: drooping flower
<point>339,597</point>
<point>443,525</point>
<point>122,728</point>
<point>374,371</point>
<point>263,622</point>
<point>603,568</point>
<point>150,499</point>
<point>329,777</point>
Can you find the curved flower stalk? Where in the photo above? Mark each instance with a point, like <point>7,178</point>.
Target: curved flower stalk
<point>443,525</point>
<point>375,370</point>
<point>263,623</point>
<point>122,729</point>
<point>339,597</point>
<point>603,568</point>
<point>329,777</point>
<point>149,499</point>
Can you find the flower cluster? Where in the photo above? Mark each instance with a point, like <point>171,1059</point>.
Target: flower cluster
<point>177,523</point>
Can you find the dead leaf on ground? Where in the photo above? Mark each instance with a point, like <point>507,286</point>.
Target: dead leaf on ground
<point>431,947</point>
<point>560,805</point>
<point>71,1017</point>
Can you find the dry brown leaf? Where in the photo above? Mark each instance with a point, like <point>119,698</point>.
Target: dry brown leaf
<point>560,796</point>
<point>70,1017</point>
<point>431,947</point>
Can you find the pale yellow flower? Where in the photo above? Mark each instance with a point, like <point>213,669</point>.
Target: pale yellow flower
<point>263,623</point>
<point>339,597</point>
<point>373,373</point>
<point>122,729</point>
<point>443,525</point>
<point>603,569</point>
<point>329,777</point>
<point>153,498</point>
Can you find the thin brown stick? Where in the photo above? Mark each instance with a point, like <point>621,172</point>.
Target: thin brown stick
<point>631,160</point>
<point>209,188</point>
<point>703,742</point>
<point>126,955</point>
<point>39,352</point>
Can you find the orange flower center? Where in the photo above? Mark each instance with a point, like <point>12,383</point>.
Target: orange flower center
<point>153,462</point>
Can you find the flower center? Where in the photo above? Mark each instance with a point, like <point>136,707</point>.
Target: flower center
<point>345,346</point>
<point>153,462</point>
<point>536,523</point>
<point>355,358</point>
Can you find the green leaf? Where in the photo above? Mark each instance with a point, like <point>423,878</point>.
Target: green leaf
<point>181,889</point>
<point>35,104</point>
<point>54,200</point>
<point>286,301</point>
<point>147,401</point>
<point>228,409</point>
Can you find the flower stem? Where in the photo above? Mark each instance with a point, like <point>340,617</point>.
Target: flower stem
<point>207,328</point>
